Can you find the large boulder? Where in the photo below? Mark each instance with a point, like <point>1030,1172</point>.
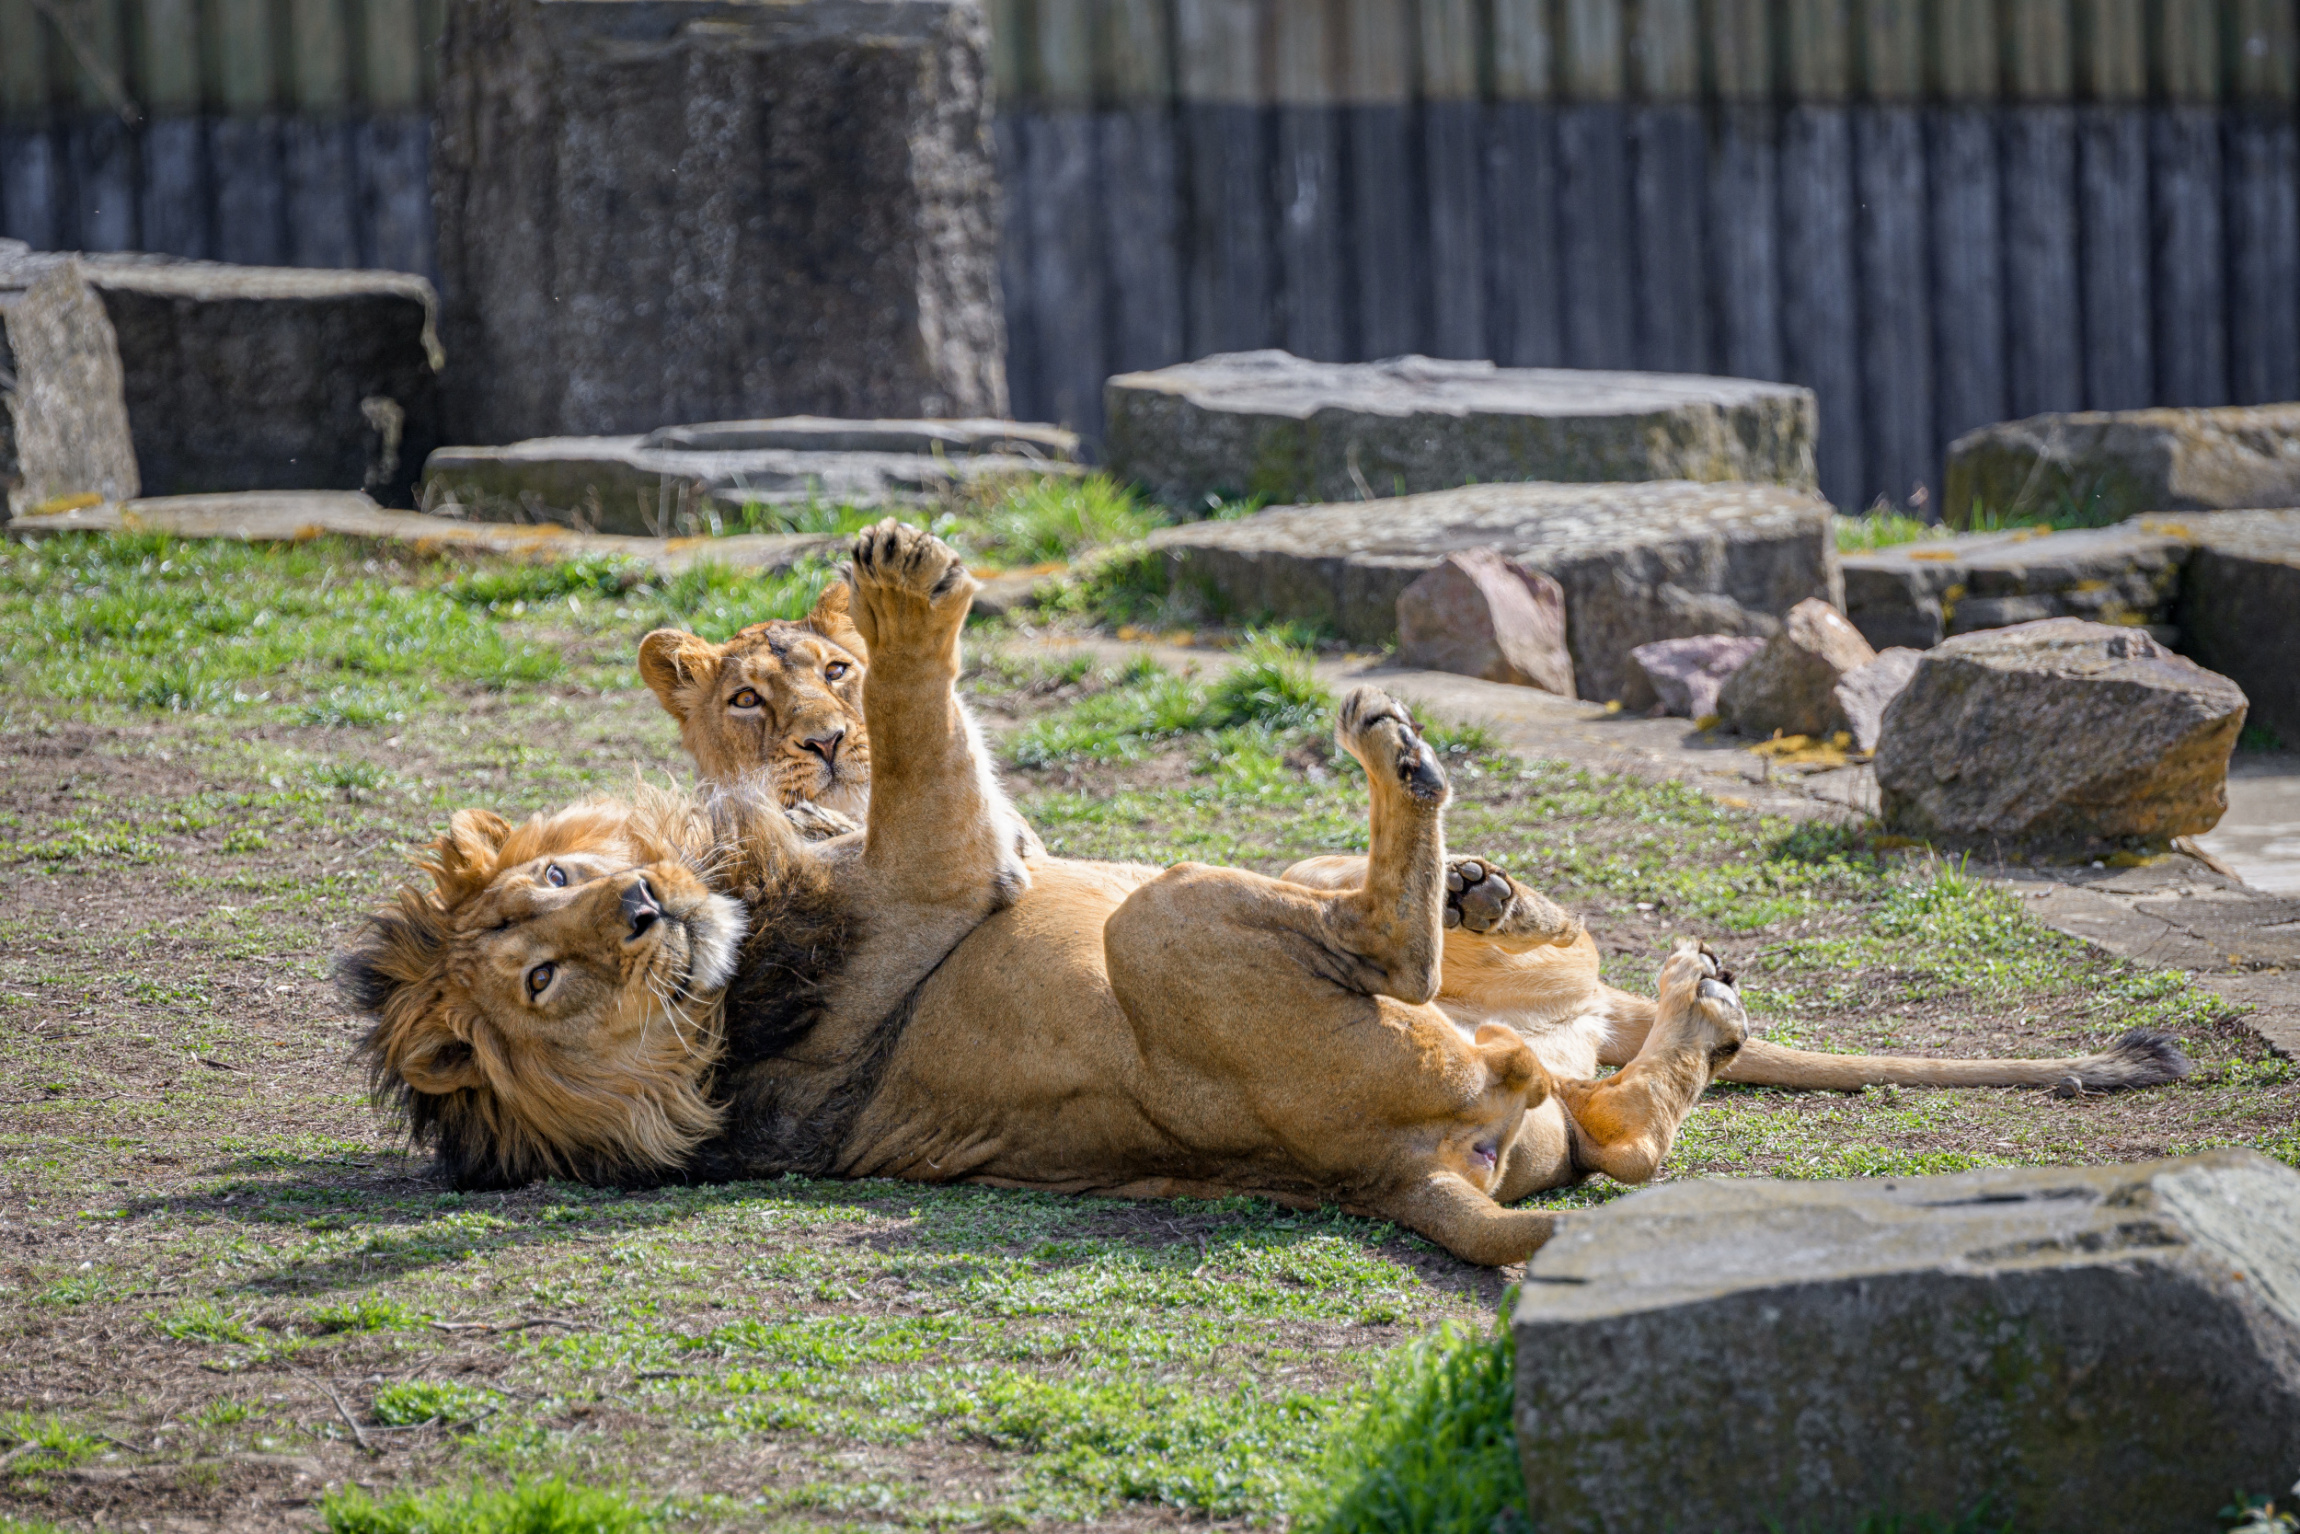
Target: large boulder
<point>64,437</point>
<point>2058,731</point>
<point>2240,606</point>
<point>1478,614</point>
<point>703,212</point>
<point>1790,686</point>
<point>1639,562</point>
<point>1863,694</point>
<point>2084,1348</point>
<point>2120,463</point>
<point>1272,425</point>
<point>1917,594</point>
<point>1684,676</point>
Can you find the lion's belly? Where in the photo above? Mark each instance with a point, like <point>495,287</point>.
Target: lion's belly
<point>1018,1063</point>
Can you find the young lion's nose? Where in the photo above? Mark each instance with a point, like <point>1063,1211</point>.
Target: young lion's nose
<point>639,907</point>
<point>825,745</point>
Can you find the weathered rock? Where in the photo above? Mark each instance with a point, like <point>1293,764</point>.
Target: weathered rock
<point>63,424</point>
<point>1789,687</point>
<point>2087,1348</point>
<point>1917,594</point>
<point>1270,424</point>
<point>1863,694</point>
<point>1640,562</point>
<point>2121,463</point>
<point>624,485</point>
<point>1682,676</point>
<point>1478,614</point>
<point>2240,606</point>
<point>822,434</point>
<point>655,212</point>
<point>2058,731</point>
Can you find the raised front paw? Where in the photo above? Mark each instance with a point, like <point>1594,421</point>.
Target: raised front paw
<point>1697,980</point>
<point>896,567</point>
<point>1480,898</point>
<point>817,824</point>
<point>1375,728</point>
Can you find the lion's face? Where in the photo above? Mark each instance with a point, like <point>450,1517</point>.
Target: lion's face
<point>779,699</point>
<point>548,1006</point>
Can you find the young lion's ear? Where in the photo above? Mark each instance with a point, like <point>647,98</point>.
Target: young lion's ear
<point>463,859</point>
<point>833,619</point>
<point>671,662</point>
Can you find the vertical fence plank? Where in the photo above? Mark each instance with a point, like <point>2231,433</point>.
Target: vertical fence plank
<point>174,211</point>
<point>394,141</point>
<point>1313,269</point>
<point>2263,222</point>
<point>1521,192</point>
<point>1595,239</point>
<point>244,142</point>
<point>1453,170</point>
<point>1669,148</point>
<point>1968,248</point>
<point>1226,138</point>
<point>28,178</point>
<point>317,139</point>
<point>1141,186</point>
<point>99,144</point>
<point>2112,196</point>
<point>1744,194</point>
<point>1820,310</point>
<point>2184,171</point>
<point>1896,336</point>
<point>1066,219</point>
<point>2043,312</point>
<point>1011,62</point>
<point>1389,282</point>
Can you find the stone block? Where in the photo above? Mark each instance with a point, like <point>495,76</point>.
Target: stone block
<point>625,485</point>
<point>1478,614</point>
<point>823,434</point>
<point>2240,606</point>
<point>2116,464</point>
<point>713,210</point>
<point>1683,676</point>
<point>1863,695</point>
<point>2058,732</point>
<point>1639,562</point>
<point>1789,687</point>
<point>64,437</point>
<point>2086,1348</point>
<point>1272,425</point>
<point>1917,594</point>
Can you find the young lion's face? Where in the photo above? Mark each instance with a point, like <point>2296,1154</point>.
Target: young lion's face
<point>779,699</point>
<point>548,1005</point>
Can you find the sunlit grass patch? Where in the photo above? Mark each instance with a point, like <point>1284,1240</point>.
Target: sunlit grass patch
<point>407,1403</point>
<point>40,1442</point>
<point>1049,518</point>
<point>544,1506</point>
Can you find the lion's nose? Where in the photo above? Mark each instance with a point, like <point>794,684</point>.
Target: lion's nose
<point>825,745</point>
<point>639,907</point>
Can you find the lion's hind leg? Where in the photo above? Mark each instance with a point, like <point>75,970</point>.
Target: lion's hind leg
<point>1394,921</point>
<point>1625,1123</point>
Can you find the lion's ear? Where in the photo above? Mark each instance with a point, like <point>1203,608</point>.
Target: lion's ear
<point>437,1062</point>
<point>463,859</point>
<point>833,619</point>
<point>671,662</point>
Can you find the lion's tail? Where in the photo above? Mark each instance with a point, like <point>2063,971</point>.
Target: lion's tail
<point>2144,1057</point>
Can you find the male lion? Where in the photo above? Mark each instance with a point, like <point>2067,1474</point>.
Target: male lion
<point>1510,955</point>
<point>666,988</point>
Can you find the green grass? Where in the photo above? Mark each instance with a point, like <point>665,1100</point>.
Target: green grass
<point>1271,693</point>
<point>542,1506</point>
<point>1883,530</point>
<point>1050,519</point>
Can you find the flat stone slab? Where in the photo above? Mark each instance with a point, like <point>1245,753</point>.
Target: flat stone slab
<point>1269,424</point>
<point>2122,463</point>
<point>2089,1348</point>
<point>1917,594</point>
<point>287,516</point>
<point>1639,562</point>
<point>626,485</point>
<point>827,434</point>
<point>2240,606</point>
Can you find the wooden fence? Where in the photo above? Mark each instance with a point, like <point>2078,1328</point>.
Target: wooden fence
<point>1937,213</point>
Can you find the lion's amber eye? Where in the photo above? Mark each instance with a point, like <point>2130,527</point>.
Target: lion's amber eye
<point>747,698</point>
<point>555,876</point>
<point>836,669</point>
<point>539,979</point>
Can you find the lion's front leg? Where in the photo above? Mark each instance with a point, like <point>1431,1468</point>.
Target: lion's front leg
<point>940,831</point>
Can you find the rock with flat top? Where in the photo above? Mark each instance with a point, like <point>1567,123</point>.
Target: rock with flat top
<point>2084,1347</point>
<point>824,434</point>
<point>1863,694</point>
<point>2058,731</point>
<point>2240,606</point>
<point>1639,562</point>
<point>1917,594</point>
<point>1269,424</point>
<point>2115,464</point>
<point>1682,676</point>
<point>1478,614</point>
<point>64,437</point>
<point>1789,687</point>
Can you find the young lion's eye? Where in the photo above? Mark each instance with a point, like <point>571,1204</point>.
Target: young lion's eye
<point>539,979</point>
<point>836,669</point>
<point>747,698</point>
<point>555,876</point>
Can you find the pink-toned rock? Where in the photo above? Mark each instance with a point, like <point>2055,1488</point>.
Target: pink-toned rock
<point>1862,693</point>
<point>1682,676</point>
<point>1478,614</point>
<point>1790,687</point>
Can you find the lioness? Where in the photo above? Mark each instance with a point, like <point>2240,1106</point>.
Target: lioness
<point>1510,955</point>
<point>667,988</point>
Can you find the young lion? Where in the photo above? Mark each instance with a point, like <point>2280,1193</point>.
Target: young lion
<point>666,988</point>
<point>1510,955</point>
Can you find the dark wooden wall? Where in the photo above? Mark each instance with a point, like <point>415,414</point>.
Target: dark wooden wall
<point>1937,213</point>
